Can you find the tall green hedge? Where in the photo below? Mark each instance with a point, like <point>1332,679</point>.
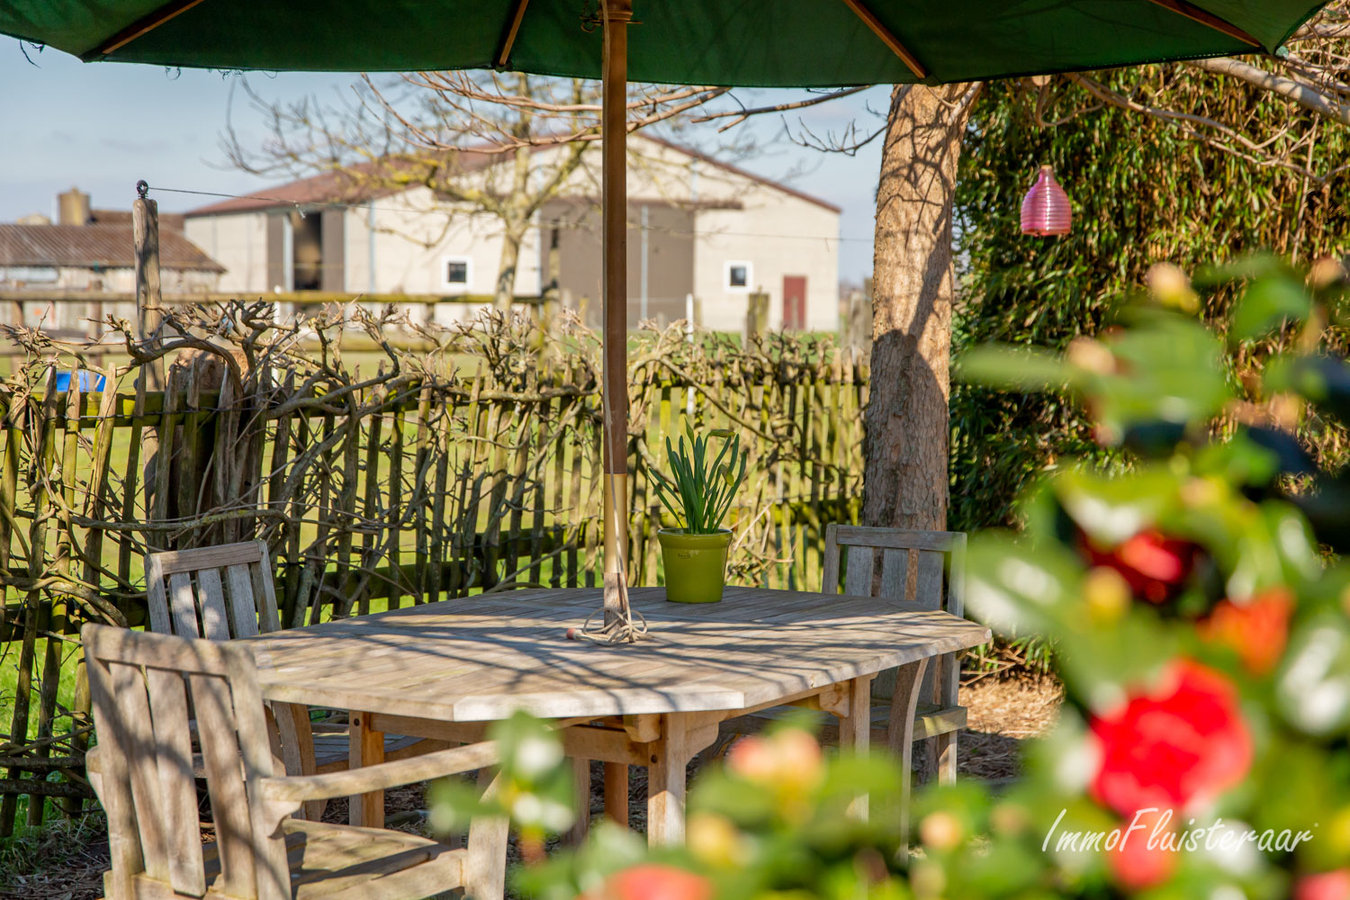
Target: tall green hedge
<point>1142,193</point>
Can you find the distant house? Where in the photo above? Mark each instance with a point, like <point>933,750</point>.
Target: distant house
<point>712,231</point>
<point>90,251</point>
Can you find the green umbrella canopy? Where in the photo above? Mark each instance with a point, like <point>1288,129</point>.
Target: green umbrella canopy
<point>713,42</point>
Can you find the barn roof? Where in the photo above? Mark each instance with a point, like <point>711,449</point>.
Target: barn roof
<point>367,181</point>
<point>107,246</point>
<point>352,184</point>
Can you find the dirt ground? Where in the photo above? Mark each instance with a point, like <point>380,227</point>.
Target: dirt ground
<point>67,859</point>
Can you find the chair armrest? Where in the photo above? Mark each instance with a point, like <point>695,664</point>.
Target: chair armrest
<point>293,788</point>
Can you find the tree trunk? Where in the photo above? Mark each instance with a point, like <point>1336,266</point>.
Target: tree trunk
<point>913,289</point>
<point>505,294</point>
<point>515,219</point>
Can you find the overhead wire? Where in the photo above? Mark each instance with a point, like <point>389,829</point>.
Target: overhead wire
<point>302,207</point>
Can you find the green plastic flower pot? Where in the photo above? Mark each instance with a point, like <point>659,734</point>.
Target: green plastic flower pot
<point>696,564</point>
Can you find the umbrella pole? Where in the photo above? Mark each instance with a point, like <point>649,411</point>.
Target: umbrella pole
<point>614,134</point>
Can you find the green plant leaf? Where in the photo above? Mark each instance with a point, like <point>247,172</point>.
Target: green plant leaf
<point>705,489</point>
<point>1013,368</point>
<point>1268,304</point>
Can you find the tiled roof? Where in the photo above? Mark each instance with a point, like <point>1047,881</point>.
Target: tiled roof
<point>167,220</point>
<point>370,181</point>
<point>86,246</point>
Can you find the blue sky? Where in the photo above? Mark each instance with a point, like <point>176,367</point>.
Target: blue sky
<point>103,126</point>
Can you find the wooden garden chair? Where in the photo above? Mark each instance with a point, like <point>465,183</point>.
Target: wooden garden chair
<point>225,592</point>
<point>937,561</point>
<point>141,768</point>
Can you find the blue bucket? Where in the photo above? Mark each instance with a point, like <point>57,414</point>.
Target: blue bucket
<point>89,381</point>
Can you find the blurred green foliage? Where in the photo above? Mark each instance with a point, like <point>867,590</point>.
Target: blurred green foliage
<point>1142,193</point>
<point>1201,630</point>
<point>1201,633</point>
<point>772,822</point>
<point>533,788</point>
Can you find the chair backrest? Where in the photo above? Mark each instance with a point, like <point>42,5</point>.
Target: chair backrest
<point>937,561</point>
<point>216,593</point>
<point>225,592</point>
<point>140,684</point>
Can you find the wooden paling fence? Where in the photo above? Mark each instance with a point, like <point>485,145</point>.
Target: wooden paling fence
<point>377,483</point>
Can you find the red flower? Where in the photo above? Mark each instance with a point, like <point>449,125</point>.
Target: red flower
<point>1324,886</point>
<point>1135,864</point>
<point>1151,564</point>
<point>1178,746</point>
<point>1257,629</point>
<point>656,881</point>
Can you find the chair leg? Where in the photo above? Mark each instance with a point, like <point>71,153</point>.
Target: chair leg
<point>946,749</point>
<point>304,741</point>
<point>485,872</point>
<point>900,737</point>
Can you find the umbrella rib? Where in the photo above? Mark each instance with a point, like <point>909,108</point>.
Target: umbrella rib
<point>1208,19</point>
<point>145,24</point>
<point>890,40</point>
<point>509,34</point>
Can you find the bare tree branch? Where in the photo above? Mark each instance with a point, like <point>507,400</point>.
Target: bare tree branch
<point>1305,95</point>
<point>740,114</point>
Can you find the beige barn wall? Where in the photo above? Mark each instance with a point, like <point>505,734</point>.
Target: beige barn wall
<point>779,233</point>
<point>805,243</point>
<point>411,241</point>
<point>238,241</point>
<point>120,280</point>
<point>74,314</point>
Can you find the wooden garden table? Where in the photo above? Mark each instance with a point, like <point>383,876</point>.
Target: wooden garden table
<point>445,670</point>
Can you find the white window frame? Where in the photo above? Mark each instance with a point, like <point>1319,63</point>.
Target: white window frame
<point>451,287</point>
<point>749,276</point>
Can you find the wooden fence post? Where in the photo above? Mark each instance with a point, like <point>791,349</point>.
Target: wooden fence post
<point>756,315</point>
<point>149,297</point>
<point>145,242</point>
<point>551,306</point>
<point>858,325</point>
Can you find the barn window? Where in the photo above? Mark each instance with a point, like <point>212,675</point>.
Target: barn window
<point>456,272</point>
<point>739,275</point>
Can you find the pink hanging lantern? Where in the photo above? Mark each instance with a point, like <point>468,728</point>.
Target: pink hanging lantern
<point>1045,209</point>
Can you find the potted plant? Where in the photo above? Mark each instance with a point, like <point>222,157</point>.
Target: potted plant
<point>698,494</point>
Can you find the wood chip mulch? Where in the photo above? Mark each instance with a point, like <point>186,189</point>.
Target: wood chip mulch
<point>1002,714</point>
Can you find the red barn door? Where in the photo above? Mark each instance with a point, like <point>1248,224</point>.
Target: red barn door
<point>794,302</point>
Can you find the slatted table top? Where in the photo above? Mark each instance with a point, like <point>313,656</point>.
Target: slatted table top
<point>479,658</point>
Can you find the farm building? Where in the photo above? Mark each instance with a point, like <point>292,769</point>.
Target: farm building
<point>46,270</point>
<point>91,250</point>
<point>698,228</point>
